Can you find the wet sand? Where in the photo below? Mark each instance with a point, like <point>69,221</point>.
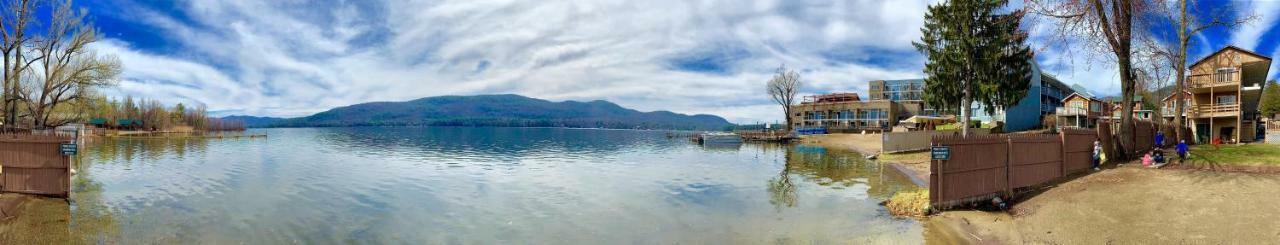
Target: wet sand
<point>1134,205</point>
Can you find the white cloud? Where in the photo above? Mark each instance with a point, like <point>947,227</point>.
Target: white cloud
<point>284,58</point>
<point>1250,34</point>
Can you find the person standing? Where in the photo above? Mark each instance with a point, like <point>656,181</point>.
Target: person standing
<point>1182,151</point>
<point>1097,155</point>
<point>1159,139</point>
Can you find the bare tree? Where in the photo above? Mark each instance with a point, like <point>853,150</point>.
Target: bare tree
<point>783,88</point>
<point>1104,27</point>
<point>1189,25</point>
<point>1153,71</point>
<point>68,70</point>
<point>15,17</point>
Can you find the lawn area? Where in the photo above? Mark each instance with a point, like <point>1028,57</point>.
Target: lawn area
<point>1245,155</point>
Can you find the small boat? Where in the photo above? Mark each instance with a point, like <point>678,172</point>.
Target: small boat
<point>720,138</point>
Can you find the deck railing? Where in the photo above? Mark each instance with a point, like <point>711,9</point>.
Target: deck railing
<point>1215,108</point>
<point>1211,80</point>
<point>1074,111</point>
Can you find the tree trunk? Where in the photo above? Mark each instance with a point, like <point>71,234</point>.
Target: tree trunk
<point>787,110</point>
<point>1126,116</point>
<point>1179,100</point>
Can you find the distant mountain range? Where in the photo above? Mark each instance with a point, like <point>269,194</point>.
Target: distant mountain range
<point>505,110</point>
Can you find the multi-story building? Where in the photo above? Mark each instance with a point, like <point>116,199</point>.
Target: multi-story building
<point>1043,99</point>
<point>909,93</point>
<point>1139,112</point>
<point>1167,107</point>
<point>1226,87</point>
<point>1081,109</point>
<point>844,111</point>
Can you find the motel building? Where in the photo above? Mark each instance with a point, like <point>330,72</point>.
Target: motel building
<point>901,103</point>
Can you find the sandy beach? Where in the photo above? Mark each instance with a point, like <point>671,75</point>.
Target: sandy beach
<point>1134,205</point>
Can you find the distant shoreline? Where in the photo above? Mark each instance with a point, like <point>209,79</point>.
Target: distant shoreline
<point>467,126</point>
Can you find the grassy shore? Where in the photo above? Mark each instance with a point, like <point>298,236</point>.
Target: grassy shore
<point>1241,155</point>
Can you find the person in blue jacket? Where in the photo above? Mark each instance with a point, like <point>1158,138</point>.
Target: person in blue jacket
<point>1159,139</point>
<point>1182,151</point>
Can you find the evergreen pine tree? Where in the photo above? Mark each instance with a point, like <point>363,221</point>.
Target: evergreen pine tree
<point>974,55</point>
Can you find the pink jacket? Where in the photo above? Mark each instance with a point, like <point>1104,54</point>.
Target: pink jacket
<point>1147,160</point>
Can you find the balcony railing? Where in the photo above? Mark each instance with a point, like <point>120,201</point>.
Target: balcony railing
<point>849,123</point>
<point>1215,108</point>
<point>1211,80</point>
<point>1073,111</point>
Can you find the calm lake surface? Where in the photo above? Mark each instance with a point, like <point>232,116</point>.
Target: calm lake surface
<point>477,185</point>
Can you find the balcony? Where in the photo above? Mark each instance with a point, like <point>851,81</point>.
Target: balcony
<point>1215,110</point>
<point>1213,80</point>
<point>849,123</point>
<point>1074,111</point>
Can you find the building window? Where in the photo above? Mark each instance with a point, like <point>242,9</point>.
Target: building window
<point>1224,74</point>
<point>1225,99</point>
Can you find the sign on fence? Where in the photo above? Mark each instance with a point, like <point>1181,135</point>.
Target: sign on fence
<point>940,153</point>
<point>67,149</point>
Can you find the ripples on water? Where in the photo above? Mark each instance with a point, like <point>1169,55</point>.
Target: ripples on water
<point>479,185</point>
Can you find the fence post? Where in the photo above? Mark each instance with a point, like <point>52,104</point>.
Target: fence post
<point>1062,139</point>
<point>1008,169</point>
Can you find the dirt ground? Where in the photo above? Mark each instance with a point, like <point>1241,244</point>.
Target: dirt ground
<point>862,143</point>
<point>1133,205</point>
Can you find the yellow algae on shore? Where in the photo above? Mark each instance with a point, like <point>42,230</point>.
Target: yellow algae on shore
<point>909,203</point>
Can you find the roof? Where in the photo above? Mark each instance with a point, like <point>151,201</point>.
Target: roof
<point>1083,91</point>
<point>1166,98</point>
<point>1077,94</point>
<point>1225,49</point>
<point>904,80</point>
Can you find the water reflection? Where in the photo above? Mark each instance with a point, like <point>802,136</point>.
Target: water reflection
<point>835,169</point>
<point>475,185</point>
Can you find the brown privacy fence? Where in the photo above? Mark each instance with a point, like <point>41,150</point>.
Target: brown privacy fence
<point>918,140</point>
<point>1144,132</point>
<point>34,164</point>
<point>986,166</point>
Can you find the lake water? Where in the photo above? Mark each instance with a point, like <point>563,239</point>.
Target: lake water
<point>476,185</point>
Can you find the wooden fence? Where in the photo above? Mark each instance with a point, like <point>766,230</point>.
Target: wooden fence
<point>918,140</point>
<point>982,167</point>
<point>33,164</point>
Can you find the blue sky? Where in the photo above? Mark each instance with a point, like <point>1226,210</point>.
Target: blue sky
<point>294,58</point>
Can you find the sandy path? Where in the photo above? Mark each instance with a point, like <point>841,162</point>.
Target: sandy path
<point>1132,205</point>
<point>862,143</point>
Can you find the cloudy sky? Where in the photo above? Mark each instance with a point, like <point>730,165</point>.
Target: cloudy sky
<point>293,58</point>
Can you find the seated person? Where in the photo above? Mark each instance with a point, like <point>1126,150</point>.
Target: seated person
<point>1159,156</point>
<point>1146,159</point>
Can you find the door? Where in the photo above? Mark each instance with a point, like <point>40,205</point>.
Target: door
<point>1202,132</point>
<point>1228,134</point>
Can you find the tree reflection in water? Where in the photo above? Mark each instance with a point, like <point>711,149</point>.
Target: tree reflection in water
<point>831,168</point>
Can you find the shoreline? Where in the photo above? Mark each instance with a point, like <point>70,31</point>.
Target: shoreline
<point>1132,204</point>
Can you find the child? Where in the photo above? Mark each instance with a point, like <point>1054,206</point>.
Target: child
<point>1146,159</point>
<point>1159,156</point>
<point>1182,151</point>
<point>1159,138</point>
<point>1097,155</point>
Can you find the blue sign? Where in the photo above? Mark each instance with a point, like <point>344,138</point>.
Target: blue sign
<point>940,153</point>
<point>68,149</point>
